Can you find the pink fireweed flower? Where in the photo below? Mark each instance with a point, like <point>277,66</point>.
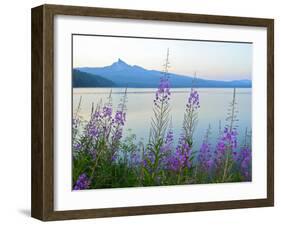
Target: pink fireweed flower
<point>244,159</point>
<point>205,156</point>
<point>168,142</point>
<point>106,111</point>
<point>118,123</point>
<point>191,115</point>
<point>227,142</point>
<point>181,158</point>
<point>82,182</point>
<point>120,118</point>
<point>163,92</point>
<point>193,100</point>
<point>230,138</point>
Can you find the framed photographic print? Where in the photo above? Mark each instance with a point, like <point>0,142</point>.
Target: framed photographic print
<point>141,112</point>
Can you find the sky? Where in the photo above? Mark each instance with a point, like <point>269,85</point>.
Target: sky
<point>209,60</point>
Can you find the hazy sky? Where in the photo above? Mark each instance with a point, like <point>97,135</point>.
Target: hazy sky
<point>210,60</point>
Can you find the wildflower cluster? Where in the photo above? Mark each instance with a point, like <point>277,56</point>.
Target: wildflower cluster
<point>82,182</point>
<point>245,157</point>
<point>205,160</point>
<point>181,157</point>
<point>228,141</point>
<point>97,145</point>
<point>168,143</point>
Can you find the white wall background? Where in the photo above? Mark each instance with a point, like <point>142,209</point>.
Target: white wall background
<point>15,111</point>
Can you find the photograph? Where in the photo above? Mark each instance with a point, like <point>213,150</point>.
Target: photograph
<point>157,111</point>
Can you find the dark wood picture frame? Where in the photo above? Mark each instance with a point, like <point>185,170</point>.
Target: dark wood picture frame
<point>42,203</point>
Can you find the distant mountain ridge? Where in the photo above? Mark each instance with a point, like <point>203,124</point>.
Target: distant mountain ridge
<point>122,74</point>
<point>85,80</point>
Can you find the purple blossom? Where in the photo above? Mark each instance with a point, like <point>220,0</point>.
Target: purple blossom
<point>95,127</point>
<point>169,137</point>
<point>193,100</point>
<point>118,123</point>
<point>166,149</point>
<point>77,146</point>
<point>100,123</point>
<point>191,115</point>
<point>219,153</point>
<point>163,155</point>
<point>230,138</point>
<point>107,111</point>
<point>163,93</point>
<point>135,158</point>
<point>82,182</point>
<point>117,135</point>
<point>168,142</point>
<point>120,118</point>
<point>205,156</point>
<point>93,131</point>
<point>227,142</point>
<point>243,158</point>
<point>181,158</point>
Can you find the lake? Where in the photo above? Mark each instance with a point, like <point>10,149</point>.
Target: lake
<point>214,103</point>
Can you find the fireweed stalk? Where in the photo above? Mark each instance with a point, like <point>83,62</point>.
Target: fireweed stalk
<point>223,154</point>
<point>157,147</point>
<point>232,134</point>
<point>226,145</point>
<point>191,115</point>
<point>118,123</point>
<point>204,159</point>
<point>243,158</point>
<point>166,149</point>
<point>181,161</point>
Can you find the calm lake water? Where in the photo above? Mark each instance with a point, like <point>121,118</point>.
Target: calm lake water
<point>214,103</point>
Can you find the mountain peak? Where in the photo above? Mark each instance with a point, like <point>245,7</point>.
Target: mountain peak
<point>120,65</point>
<point>121,61</point>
